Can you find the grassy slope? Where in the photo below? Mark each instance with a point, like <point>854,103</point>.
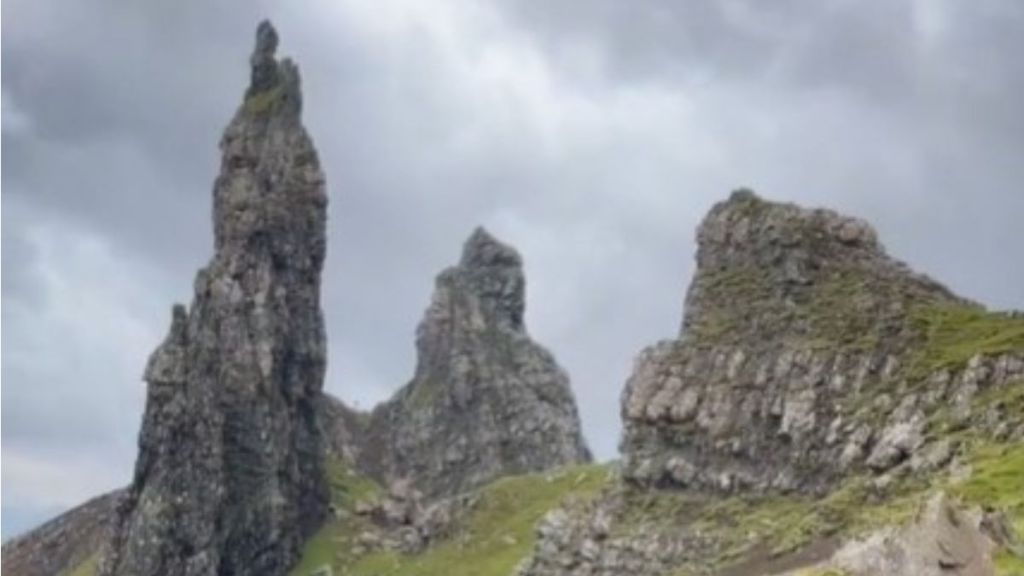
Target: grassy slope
<point>497,534</point>
<point>338,536</point>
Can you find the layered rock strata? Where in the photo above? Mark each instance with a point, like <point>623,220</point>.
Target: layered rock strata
<point>806,353</point>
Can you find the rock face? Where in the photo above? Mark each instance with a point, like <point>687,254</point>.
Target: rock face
<point>229,476</point>
<point>65,542</point>
<point>805,353</point>
<point>486,401</point>
<point>942,540</point>
<point>343,430</point>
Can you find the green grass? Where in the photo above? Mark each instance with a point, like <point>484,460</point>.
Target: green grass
<point>1008,564</point>
<point>786,523</point>
<point>997,480</point>
<point>498,532</point>
<point>953,334</point>
<point>335,540</point>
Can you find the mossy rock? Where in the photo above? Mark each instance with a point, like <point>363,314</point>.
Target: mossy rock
<point>263,102</point>
<point>88,567</point>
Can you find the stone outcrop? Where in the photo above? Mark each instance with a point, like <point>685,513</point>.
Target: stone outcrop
<point>942,540</point>
<point>229,477</point>
<point>485,401</point>
<point>65,542</point>
<point>806,353</point>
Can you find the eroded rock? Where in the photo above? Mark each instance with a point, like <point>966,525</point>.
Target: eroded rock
<point>799,361</point>
<point>229,477</point>
<point>486,401</point>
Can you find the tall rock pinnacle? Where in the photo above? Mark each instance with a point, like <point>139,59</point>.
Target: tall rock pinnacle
<point>485,401</point>
<point>229,476</point>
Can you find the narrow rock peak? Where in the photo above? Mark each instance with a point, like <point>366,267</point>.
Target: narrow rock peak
<point>262,61</point>
<point>483,250</point>
<point>494,272</point>
<point>273,86</point>
<point>486,400</point>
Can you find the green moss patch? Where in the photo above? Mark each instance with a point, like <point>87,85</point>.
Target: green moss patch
<point>263,102</point>
<point>954,334</point>
<point>87,567</point>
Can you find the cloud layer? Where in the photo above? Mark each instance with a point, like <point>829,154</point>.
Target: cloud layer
<point>591,135</point>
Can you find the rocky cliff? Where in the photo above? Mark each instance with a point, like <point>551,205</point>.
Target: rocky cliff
<point>806,354</point>
<point>229,476</point>
<point>824,411</point>
<point>485,401</point>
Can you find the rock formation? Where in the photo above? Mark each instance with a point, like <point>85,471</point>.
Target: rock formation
<point>805,353</point>
<point>486,401</point>
<point>824,410</point>
<point>65,542</point>
<point>942,540</point>
<point>229,476</point>
<point>818,404</point>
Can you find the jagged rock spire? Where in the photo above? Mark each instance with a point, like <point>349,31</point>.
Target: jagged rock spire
<point>229,478</point>
<point>494,271</point>
<point>486,400</point>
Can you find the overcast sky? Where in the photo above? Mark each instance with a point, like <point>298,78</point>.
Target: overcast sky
<point>592,135</point>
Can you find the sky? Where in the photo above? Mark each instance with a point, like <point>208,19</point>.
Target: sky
<point>592,135</point>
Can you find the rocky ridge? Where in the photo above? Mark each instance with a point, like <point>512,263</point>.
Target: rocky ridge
<point>229,477</point>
